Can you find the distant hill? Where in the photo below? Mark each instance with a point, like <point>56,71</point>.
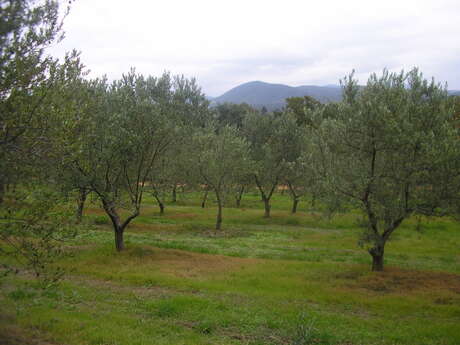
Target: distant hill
<point>272,96</point>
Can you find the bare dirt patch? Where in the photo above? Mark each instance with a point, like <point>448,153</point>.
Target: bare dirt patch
<point>150,291</point>
<point>142,227</point>
<point>13,335</point>
<point>188,264</point>
<point>95,211</point>
<point>394,280</point>
<point>182,216</point>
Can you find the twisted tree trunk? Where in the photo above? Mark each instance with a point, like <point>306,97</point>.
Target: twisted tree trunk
<point>2,189</point>
<point>219,215</point>
<point>160,203</point>
<point>377,253</point>
<point>174,194</point>
<point>205,198</point>
<point>118,226</point>
<point>81,199</point>
<point>295,198</point>
<point>239,196</point>
<point>266,206</point>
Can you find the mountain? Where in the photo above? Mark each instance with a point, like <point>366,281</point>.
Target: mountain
<point>272,96</point>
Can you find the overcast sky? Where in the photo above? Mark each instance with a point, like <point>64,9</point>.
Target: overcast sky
<point>225,43</point>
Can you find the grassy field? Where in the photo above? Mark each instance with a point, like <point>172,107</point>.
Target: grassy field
<point>290,279</point>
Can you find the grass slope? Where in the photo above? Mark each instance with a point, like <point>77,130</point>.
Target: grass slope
<point>290,279</point>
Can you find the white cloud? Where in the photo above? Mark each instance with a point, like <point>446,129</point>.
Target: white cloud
<point>223,43</point>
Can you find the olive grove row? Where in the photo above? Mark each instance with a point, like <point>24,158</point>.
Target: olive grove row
<point>390,148</point>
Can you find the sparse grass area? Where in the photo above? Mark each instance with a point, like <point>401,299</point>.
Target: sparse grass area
<point>290,279</point>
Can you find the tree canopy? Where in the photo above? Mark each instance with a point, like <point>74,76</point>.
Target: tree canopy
<point>390,150</point>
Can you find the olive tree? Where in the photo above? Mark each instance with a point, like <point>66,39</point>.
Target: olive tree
<point>27,28</point>
<point>221,158</point>
<point>76,106</point>
<point>299,177</point>
<point>170,171</point>
<point>273,141</point>
<point>233,114</point>
<point>123,132</point>
<point>389,150</point>
<point>33,217</point>
<point>298,105</point>
<point>33,233</point>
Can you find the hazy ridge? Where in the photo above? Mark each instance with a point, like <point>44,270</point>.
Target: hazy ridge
<point>272,96</point>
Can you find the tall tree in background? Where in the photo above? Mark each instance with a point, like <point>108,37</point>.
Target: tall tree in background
<point>273,141</point>
<point>300,177</point>
<point>222,159</point>
<point>390,150</point>
<point>233,114</point>
<point>299,105</point>
<point>172,170</point>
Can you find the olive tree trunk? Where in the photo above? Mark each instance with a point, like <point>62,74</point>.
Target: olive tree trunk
<point>267,206</point>
<point>377,253</point>
<point>160,203</point>
<point>295,202</point>
<point>81,199</point>
<point>239,196</point>
<point>219,212</point>
<point>2,189</point>
<point>380,239</point>
<point>174,194</point>
<point>205,198</point>
<point>294,196</point>
<point>266,196</point>
<point>118,225</point>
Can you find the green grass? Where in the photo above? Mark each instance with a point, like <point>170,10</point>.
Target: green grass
<point>290,279</point>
